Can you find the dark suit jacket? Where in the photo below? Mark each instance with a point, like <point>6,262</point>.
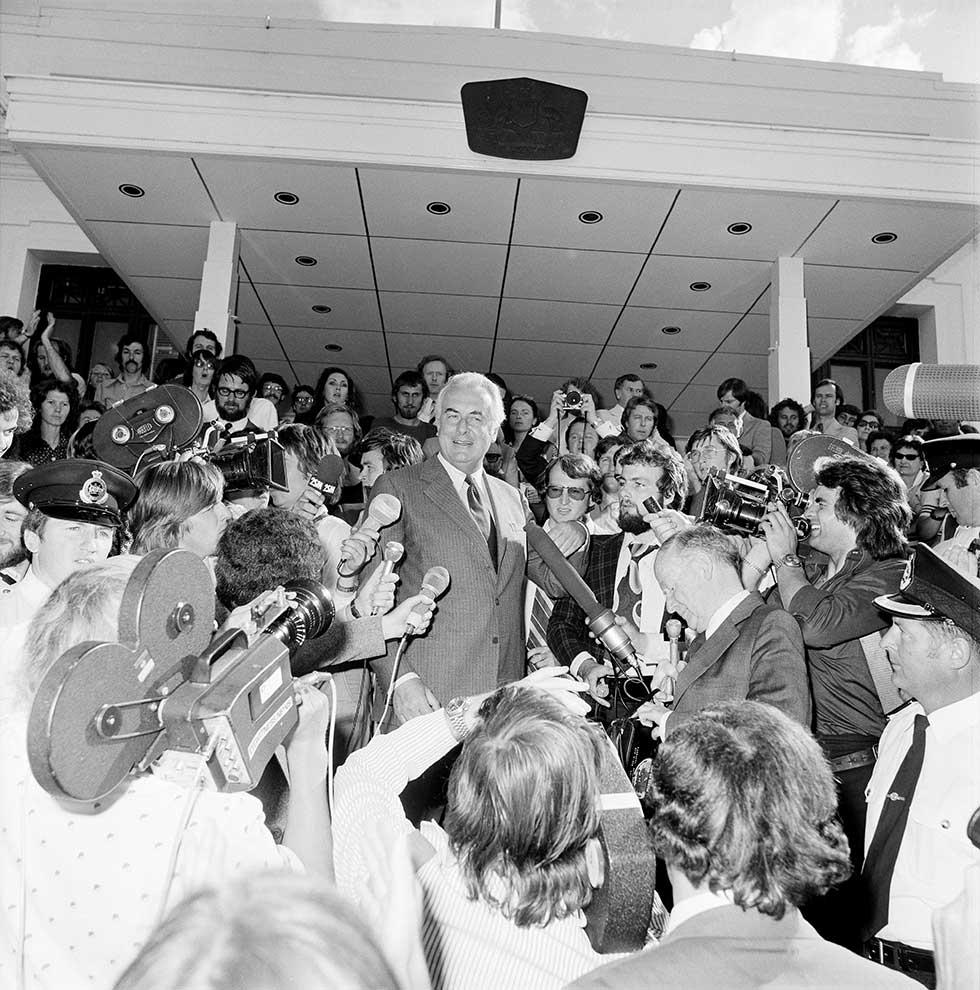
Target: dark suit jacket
<point>755,654</point>
<point>476,640</point>
<point>726,948</point>
<point>567,632</point>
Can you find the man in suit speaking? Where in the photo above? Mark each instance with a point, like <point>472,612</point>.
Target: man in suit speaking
<point>745,647</point>
<point>456,516</point>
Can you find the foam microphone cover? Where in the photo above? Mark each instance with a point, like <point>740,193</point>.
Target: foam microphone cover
<point>384,509</point>
<point>330,471</point>
<point>934,391</point>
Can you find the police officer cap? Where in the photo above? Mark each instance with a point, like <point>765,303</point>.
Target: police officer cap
<point>82,490</point>
<point>946,453</point>
<point>932,589</point>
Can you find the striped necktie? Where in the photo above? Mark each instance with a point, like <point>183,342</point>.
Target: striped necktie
<point>481,516</point>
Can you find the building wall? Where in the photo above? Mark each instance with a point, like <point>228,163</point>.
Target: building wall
<point>34,228</point>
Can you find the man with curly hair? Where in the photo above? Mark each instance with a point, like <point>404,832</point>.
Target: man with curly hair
<point>859,514</point>
<point>16,413</point>
<point>743,815</point>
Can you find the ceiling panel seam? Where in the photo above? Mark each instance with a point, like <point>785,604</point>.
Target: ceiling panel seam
<point>636,281</point>
<point>214,205</point>
<point>503,280</point>
<point>272,325</point>
<point>374,275</point>
<point>816,227</point>
<point>744,316</point>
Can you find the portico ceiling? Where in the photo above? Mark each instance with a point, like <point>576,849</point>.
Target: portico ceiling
<point>513,278</point>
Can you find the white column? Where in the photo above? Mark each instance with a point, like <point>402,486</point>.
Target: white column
<point>789,352</point>
<point>219,279</point>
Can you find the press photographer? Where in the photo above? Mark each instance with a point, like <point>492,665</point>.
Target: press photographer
<point>858,515</point>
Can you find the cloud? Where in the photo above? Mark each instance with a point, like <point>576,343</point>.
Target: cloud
<point>805,29</point>
<point>880,44</point>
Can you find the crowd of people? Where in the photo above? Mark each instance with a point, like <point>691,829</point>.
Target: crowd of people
<point>807,684</point>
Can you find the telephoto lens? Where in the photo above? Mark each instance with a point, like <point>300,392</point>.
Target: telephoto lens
<point>309,616</point>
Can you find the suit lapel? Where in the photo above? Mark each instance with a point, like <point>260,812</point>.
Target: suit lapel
<point>715,646</point>
<point>439,488</point>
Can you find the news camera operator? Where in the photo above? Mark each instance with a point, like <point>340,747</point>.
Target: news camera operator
<point>179,505</point>
<point>507,873</point>
<point>83,890</point>
<point>304,449</point>
<point>858,515</point>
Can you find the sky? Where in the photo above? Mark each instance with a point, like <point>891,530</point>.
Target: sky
<point>932,35</point>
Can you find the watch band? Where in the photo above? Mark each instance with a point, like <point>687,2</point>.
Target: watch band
<point>456,716</point>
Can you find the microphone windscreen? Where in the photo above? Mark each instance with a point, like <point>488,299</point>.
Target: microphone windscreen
<point>330,471</point>
<point>384,509</point>
<point>393,552</point>
<point>435,582</point>
<point>934,391</point>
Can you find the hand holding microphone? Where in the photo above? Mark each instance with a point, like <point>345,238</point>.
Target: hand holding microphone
<point>358,548</point>
<point>412,617</point>
<point>393,553</point>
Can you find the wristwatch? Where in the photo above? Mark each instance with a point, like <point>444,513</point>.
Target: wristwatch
<point>791,560</point>
<point>456,716</point>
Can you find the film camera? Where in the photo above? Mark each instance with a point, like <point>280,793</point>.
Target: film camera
<point>168,420</point>
<point>737,505</point>
<point>571,400</point>
<point>170,692</point>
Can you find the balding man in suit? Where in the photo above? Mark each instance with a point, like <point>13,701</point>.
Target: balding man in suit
<point>745,647</point>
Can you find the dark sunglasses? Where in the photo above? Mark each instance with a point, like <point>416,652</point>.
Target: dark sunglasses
<point>874,424</point>
<point>907,457</point>
<point>555,491</point>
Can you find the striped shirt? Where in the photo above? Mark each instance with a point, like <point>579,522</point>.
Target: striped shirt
<point>468,944</point>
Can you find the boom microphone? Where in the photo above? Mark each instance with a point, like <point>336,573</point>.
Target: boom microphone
<point>602,621</point>
<point>934,391</point>
<point>434,583</point>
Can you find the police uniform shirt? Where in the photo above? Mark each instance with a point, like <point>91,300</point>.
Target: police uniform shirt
<point>935,850</point>
<point>19,602</point>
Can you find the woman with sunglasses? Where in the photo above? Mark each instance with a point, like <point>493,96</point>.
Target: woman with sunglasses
<point>910,463</point>
<point>867,423</point>
<point>571,489</point>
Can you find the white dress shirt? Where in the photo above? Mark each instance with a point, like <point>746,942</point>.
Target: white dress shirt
<point>935,851</point>
<point>697,904</point>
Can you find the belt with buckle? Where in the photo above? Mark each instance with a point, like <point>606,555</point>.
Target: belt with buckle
<point>851,761</point>
<point>897,955</point>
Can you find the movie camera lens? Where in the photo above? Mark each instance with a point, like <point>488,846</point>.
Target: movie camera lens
<point>310,615</point>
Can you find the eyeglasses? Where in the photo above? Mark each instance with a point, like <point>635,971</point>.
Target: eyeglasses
<point>339,431</point>
<point>238,393</point>
<point>303,400</point>
<point>906,457</point>
<point>870,423</point>
<point>556,491</point>
<point>272,390</point>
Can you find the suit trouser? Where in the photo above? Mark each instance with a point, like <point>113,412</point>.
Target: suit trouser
<point>839,914</point>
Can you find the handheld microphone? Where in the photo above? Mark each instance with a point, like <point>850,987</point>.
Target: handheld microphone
<point>328,476</point>
<point>381,512</point>
<point>393,552</point>
<point>435,582</point>
<point>602,620</point>
<point>934,391</point>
